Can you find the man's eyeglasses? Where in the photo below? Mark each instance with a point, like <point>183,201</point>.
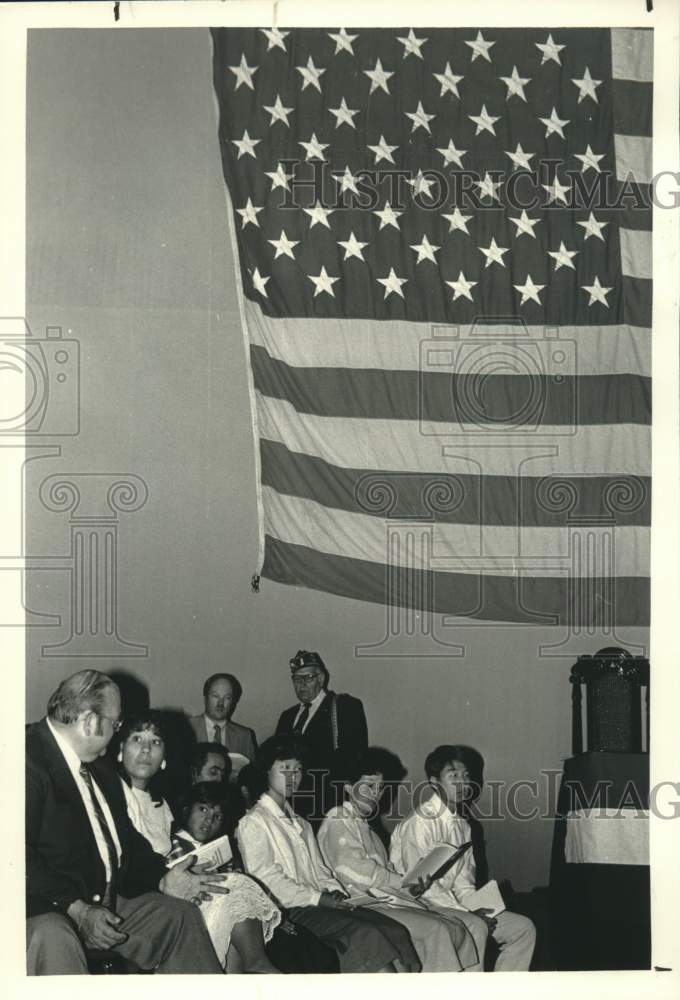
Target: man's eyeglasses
<point>306,679</point>
<point>116,724</point>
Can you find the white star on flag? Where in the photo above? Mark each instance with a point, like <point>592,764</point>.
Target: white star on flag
<point>275,38</point>
<point>515,84</point>
<point>378,77</point>
<point>494,253</point>
<point>461,287</point>
<point>319,214</point>
<point>343,41</point>
<point>484,121</point>
<point>323,282</point>
<point>529,291</point>
<point>347,181</point>
<point>420,184</point>
<point>525,224</point>
<point>587,86</point>
<point>343,114</point>
<point>593,228</point>
<point>392,283</point>
<point>412,44</point>
<point>480,48</point>
<point>249,214</point>
<point>420,118</point>
<point>352,247</point>
<point>457,221</point>
<point>562,257</point>
<point>259,281</point>
<point>383,151</point>
<point>387,216</point>
<point>278,112</point>
<point>279,177</point>
<point>451,154</point>
<point>449,81</point>
<point>425,250</point>
<point>554,124</point>
<point>310,75</point>
<point>519,158</point>
<point>550,50</point>
<point>244,73</point>
<point>314,148</point>
<point>589,160</point>
<point>246,145</point>
<point>488,188</point>
<point>597,292</point>
<point>556,191</point>
<point>284,246</point>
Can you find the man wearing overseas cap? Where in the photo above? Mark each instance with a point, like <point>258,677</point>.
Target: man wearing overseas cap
<point>326,723</point>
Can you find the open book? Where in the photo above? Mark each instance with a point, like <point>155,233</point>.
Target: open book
<point>436,863</point>
<point>488,898</point>
<point>218,852</point>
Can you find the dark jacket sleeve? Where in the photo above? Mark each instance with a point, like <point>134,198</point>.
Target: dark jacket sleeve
<point>282,725</point>
<point>352,726</point>
<point>47,891</point>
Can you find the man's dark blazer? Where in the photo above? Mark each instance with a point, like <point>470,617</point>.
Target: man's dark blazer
<point>318,736</point>
<point>62,860</point>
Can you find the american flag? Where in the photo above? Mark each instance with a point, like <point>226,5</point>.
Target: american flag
<point>443,240</point>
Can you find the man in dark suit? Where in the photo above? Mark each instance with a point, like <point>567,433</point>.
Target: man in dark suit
<point>221,695</point>
<point>330,726</point>
<point>92,880</point>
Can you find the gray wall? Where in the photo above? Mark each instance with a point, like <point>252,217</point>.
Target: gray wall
<point>128,249</point>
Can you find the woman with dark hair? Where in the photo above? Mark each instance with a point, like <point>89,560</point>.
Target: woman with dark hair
<point>357,857</point>
<point>279,849</point>
<point>141,759</point>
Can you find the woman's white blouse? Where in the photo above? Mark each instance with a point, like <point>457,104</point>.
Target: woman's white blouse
<point>354,852</point>
<point>279,848</point>
<point>153,821</point>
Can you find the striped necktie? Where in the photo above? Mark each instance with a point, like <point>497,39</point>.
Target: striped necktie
<point>110,894</point>
<point>217,734</point>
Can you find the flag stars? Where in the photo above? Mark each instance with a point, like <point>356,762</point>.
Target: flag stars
<point>457,220</point>
<point>597,292</point>
<point>323,282</point>
<point>278,112</point>
<point>449,81</point>
<point>244,73</point>
<point>515,84</point>
<point>319,215</point>
<point>352,247</point>
<point>275,38</point>
<point>392,284</point>
<point>554,124</point>
<point>343,115</point>
<point>387,216</point>
<point>259,282</point>
<point>529,291</point>
<point>425,250</point>
<point>451,154</point>
<point>557,191</point>
<point>488,188</point>
<point>420,118</point>
<point>484,121</point>
<point>563,257</point>
<point>587,86</point>
<point>279,177</point>
<point>420,184</point>
<point>549,50</point>
<point>480,47</point>
<point>246,145</point>
<point>525,224</point>
<point>494,253</point>
<point>249,214</point>
<point>283,246</point>
<point>310,75</point>
<point>461,287</point>
<point>343,41</point>
<point>412,44</point>
<point>378,77</point>
<point>593,228</point>
<point>347,181</point>
<point>383,151</point>
<point>519,158</point>
<point>314,149</point>
<point>590,160</point>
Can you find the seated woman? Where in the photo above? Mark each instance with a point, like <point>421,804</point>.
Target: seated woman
<point>357,857</point>
<point>237,917</point>
<point>279,849</point>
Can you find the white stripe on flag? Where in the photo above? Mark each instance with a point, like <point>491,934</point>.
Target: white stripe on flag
<point>632,54</point>
<point>633,158</point>
<point>636,252</point>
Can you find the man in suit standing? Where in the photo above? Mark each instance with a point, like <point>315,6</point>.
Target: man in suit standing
<point>92,880</point>
<point>330,726</point>
<point>221,695</point>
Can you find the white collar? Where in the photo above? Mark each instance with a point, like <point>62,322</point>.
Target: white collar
<point>314,704</point>
<point>211,722</point>
<point>272,806</point>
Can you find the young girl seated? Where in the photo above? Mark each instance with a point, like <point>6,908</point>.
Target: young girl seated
<point>246,917</point>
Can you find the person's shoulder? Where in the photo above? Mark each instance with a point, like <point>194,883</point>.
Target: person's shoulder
<point>349,700</point>
<point>243,730</point>
<point>37,739</point>
<point>336,813</point>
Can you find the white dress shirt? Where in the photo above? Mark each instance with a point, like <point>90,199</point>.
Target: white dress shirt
<point>354,852</point>
<point>313,707</point>
<point>430,825</point>
<point>210,730</point>
<point>74,763</point>
<point>279,848</point>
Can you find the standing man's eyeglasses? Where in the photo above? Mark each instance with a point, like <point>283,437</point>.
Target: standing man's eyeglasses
<point>115,723</point>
